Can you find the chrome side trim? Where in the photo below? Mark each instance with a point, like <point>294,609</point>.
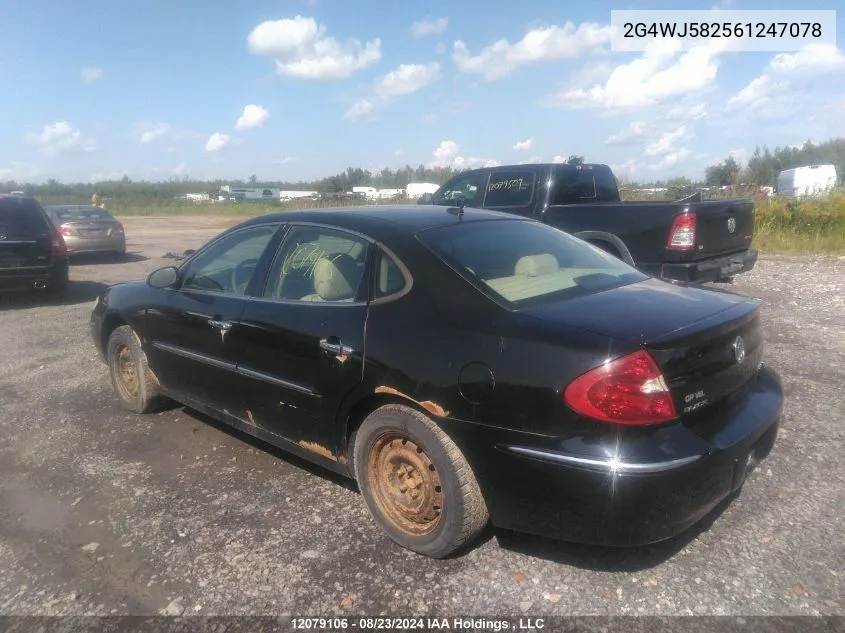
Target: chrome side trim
<point>610,465</point>
<point>201,358</point>
<point>273,380</point>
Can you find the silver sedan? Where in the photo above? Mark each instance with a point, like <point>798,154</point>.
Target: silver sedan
<point>88,229</point>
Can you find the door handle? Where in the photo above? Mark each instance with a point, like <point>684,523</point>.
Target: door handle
<point>220,325</point>
<point>333,344</point>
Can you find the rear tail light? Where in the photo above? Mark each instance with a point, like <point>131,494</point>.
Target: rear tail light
<point>682,233</point>
<point>66,229</point>
<point>628,390</point>
<point>57,244</point>
<point>118,228</point>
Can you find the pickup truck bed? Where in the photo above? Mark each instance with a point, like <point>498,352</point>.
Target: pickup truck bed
<point>691,241</point>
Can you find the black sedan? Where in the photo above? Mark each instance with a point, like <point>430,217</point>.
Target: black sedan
<point>462,365</point>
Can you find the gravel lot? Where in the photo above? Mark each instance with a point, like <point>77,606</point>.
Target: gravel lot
<point>106,512</point>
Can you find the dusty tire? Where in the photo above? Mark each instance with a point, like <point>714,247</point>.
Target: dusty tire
<point>130,375</point>
<point>416,482</point>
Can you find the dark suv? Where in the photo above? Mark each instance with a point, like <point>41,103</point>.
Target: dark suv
<point>33,254</point>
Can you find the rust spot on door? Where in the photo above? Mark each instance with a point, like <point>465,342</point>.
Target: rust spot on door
<point>432,407</point>
<point>316,448</point>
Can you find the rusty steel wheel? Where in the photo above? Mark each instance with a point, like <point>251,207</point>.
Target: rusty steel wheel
<point>127,376</point>
<point>405,484</point>
<point>416,482</point>
<point>131,377</point>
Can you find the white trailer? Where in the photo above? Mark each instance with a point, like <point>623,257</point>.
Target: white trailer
<point>369,192</point>
<point>806,181</point>
<point>390,193</point>
<point>417,189</point>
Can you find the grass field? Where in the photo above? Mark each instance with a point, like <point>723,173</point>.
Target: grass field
<point>781,225</point>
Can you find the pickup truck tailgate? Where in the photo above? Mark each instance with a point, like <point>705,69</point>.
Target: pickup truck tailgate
<point>723,227</point>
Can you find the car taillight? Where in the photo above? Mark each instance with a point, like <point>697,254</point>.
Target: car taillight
<point>66,229</point>
<point>57,244</point>
<point>682,233</point>
<point>118,228</point>
<point>628,390</point>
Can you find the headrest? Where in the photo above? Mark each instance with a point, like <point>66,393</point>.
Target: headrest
<point>533,265</point>
<point>333,277</point>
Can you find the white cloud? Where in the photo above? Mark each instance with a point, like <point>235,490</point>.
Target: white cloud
<point>428,26</point>
<point>692,113</point>
<point>447,154</point>
<point>217,141</point>
<point>148,132</point>
<point>740,155</point>
<point>668,142</point>
<point>62,136</point>
<point>531,161</point>
<point>301,49</point>
<point>405,79</point>
<point>543,44</point>
<point>522,146</point>
<point>359,109</point>
<point>102,176</point>
<point>787,72</point>
<point>625,170</point>
<point>658,76</point>
<point>559,158</point>
<point>253,116</point>
<point>180,169</point>
<point>670,160</point>
<point>18,171</point>
<point>91,74</point>
<point>634,133</point>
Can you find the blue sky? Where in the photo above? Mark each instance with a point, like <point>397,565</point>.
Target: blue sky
<point>304,88</point>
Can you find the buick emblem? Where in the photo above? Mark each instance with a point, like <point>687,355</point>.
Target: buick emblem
<point>2,236</point>
<point>739,350</point>
<point>731,225</point>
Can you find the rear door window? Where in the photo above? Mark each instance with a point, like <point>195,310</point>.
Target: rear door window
<point>21,218</point>
<point>575,184</point>
<point>510,189</point>
<point>466,188</point>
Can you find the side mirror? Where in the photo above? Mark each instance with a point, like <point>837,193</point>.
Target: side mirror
<point>163,277</point>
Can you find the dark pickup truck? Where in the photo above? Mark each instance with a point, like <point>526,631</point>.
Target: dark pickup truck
<point>687,240</point>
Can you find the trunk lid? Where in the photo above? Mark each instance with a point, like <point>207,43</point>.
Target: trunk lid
<point>723,226</point>
<point>707,343</point>
<point>92,229</point>
<point>25,235</point>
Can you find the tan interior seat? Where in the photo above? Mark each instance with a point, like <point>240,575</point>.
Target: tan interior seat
<point>334,279</point>
<point>534,265</point>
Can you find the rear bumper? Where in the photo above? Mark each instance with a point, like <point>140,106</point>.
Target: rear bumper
<point>77,245</point>
<point>704,270</point>
<point>40,278</point>
<point>623,493</point>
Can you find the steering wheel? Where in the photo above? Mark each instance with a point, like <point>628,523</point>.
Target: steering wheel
<point>241,274</point>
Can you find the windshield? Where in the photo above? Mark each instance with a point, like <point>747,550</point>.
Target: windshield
<point>526,263</point>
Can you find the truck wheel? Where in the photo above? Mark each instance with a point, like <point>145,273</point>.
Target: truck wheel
<point>130,375</point>
<point>416,482</point>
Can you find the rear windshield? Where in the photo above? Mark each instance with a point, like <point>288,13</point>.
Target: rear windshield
<point>21,217</point>
<point>574,184</point>
<point>64,214</point>
<point>526,263</point>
